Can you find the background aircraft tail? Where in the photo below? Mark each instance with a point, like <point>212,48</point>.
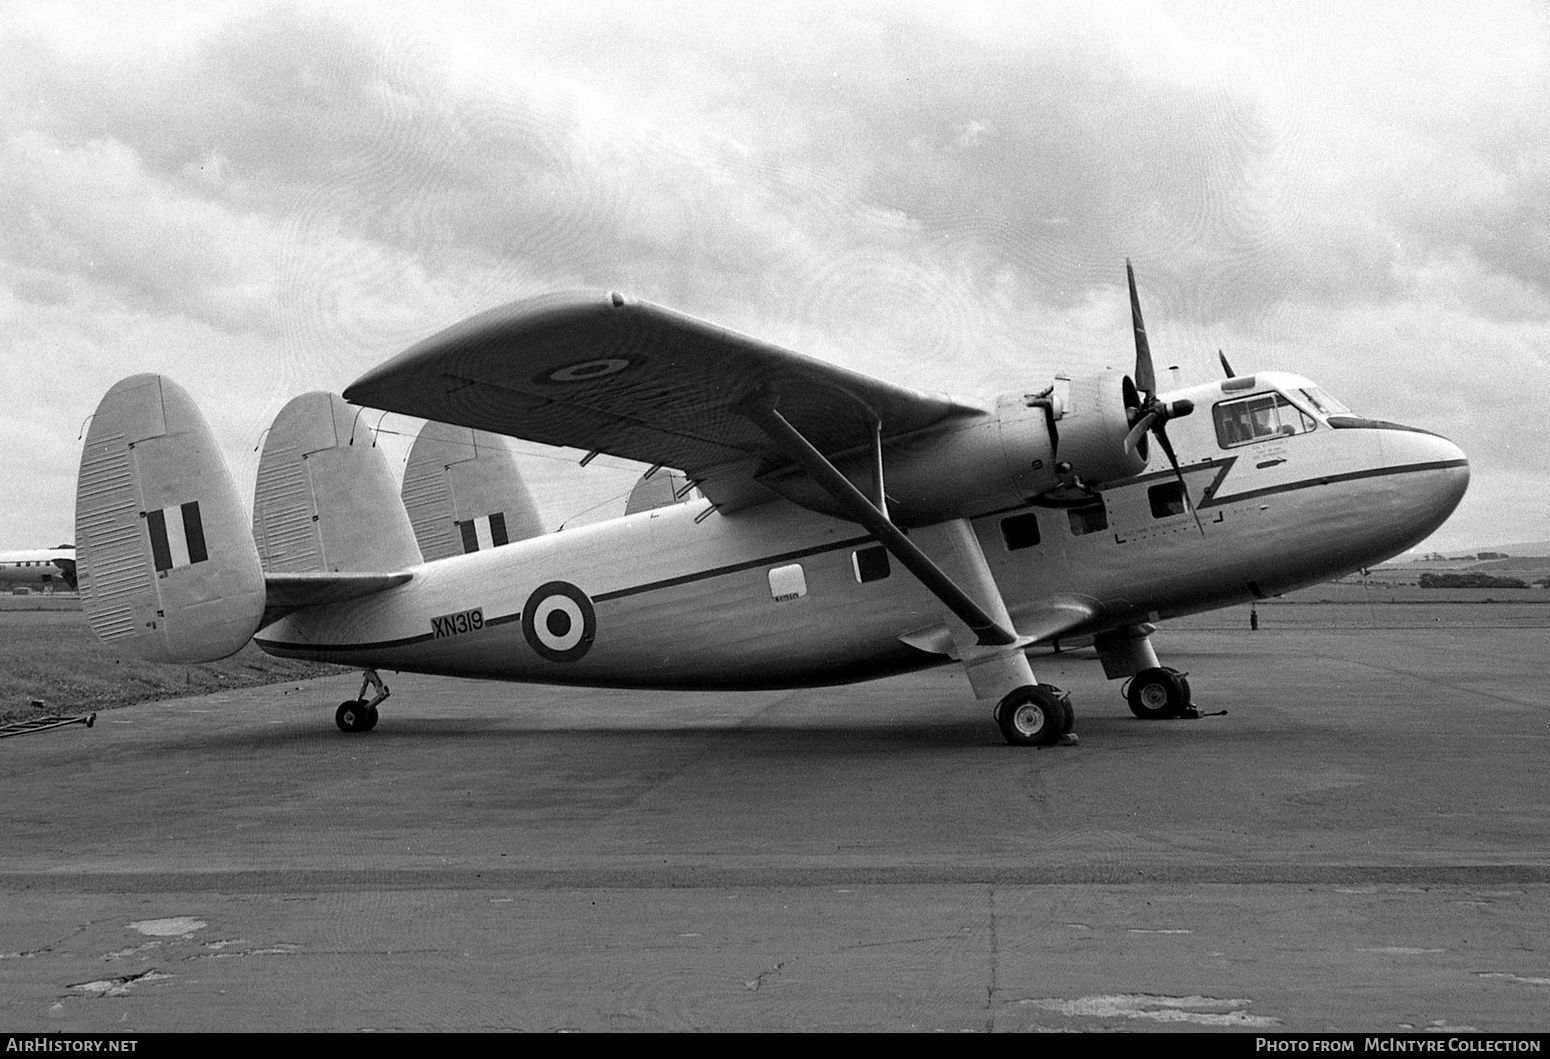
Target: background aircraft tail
<point>166,567</point>
<point>325,499</point>
<point>464,493</point>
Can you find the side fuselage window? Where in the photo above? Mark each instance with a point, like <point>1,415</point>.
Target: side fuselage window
<point>1020,531</point>
<point>870,564</point>
<point>1090,517</point>
<point>1166,499</point>
<point>1258,418</point>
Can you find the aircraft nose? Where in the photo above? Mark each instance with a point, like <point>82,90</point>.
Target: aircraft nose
<point>1453,478</point>
<point>1441,468</point>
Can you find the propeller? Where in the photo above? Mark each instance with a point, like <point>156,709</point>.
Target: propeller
<point>1152,414</point>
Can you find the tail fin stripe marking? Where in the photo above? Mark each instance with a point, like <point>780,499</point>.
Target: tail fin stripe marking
<point>177,536</point>
<point>194,533</point>
<point>470,536</point>
<point>482,531</point>
<point>177,541</point>
<point>498,529</point>
<point>156,522</point>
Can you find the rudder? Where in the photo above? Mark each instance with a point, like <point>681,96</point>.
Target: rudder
<point>166,568</point>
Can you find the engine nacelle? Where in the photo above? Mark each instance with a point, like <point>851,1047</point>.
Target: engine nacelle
<point>1092,423</point>
<point>999,460</point>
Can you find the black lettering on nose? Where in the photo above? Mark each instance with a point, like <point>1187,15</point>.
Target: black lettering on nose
<point>558,622</point>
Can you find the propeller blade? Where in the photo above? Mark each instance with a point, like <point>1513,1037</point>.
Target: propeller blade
<point>1226,366</point>
<point>1138,432</point>
<point>1167,447</point>
<point>1145,380</point>
<point>1153,413</point>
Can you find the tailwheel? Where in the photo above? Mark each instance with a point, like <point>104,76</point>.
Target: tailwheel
<point>1159,693</point>
<point>1034,715</point>
<point>360,714</point>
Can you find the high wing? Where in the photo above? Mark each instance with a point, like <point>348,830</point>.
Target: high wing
<point>600,372</point>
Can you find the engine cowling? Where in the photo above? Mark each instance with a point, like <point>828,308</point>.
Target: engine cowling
<point>1092,420</point>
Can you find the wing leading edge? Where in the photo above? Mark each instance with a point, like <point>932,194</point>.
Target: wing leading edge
<point>597,371</point>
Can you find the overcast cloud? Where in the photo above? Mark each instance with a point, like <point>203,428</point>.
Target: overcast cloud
<point>266,198</point>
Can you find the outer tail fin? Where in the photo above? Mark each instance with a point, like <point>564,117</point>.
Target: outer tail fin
<point>166,568</point>
<point>463,492</point>
<point>325,499</point>
<point>662,489</point>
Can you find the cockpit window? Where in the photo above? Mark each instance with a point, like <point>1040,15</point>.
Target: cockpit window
<point>1323,403</point>
<point>1259,418</point>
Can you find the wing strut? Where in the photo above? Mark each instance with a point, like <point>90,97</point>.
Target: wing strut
<point>763,414</point>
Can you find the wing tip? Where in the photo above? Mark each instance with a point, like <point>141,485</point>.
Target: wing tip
<point>532,311</point>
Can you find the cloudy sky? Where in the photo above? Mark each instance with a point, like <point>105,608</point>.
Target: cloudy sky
<point>261,199</point>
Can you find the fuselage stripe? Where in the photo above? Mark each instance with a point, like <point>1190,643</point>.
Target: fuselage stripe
<point>1349,476</point>
<point>720,571</point>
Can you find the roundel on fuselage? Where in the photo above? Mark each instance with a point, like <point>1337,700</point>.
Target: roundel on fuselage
<point>559,622</point>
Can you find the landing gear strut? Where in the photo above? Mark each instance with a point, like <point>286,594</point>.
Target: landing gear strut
<point>1034,715</point>
<point>358,715</point>
<point>1160,692</point>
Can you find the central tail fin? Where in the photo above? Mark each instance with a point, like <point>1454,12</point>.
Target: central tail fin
<point>325,499</point>
<point>166,567</point>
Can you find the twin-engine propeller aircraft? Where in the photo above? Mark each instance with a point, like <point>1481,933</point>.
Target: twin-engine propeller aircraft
<point>39,566</point>
<point>823,527</point>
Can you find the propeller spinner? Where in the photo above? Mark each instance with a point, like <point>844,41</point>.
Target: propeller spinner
<point>1151,414</point>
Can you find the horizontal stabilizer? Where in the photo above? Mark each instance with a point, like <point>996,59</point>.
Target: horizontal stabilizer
<point>166,566</point>
<point>464,493</point>
<point>288,592</point>
<point>325,500</point>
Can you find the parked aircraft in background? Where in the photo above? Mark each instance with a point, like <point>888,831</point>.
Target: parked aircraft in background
<point>49,567</point>
<point>825,527</point>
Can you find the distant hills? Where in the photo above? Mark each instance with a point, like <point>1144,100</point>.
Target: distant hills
<point>1517,550</point>
<point>1528,561</point>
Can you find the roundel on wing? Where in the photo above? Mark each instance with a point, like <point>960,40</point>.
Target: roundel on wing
<point>587,370</point>
<point>559,622</point>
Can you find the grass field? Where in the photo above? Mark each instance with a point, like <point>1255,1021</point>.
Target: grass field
<point>47,652</point>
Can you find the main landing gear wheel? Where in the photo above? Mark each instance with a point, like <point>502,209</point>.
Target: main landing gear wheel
<point>1155,694</point>
<point>355,716</point>
<point>1035,715</point>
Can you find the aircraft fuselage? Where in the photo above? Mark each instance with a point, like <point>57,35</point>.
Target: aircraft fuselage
<point>38,566</point>
<point>780,596</point>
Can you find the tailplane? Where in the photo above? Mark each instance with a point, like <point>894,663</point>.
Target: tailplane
<point>166,567</point>
<point>464,493</point>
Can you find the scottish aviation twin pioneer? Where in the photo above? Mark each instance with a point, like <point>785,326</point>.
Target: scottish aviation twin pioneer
<point>817,526</point>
